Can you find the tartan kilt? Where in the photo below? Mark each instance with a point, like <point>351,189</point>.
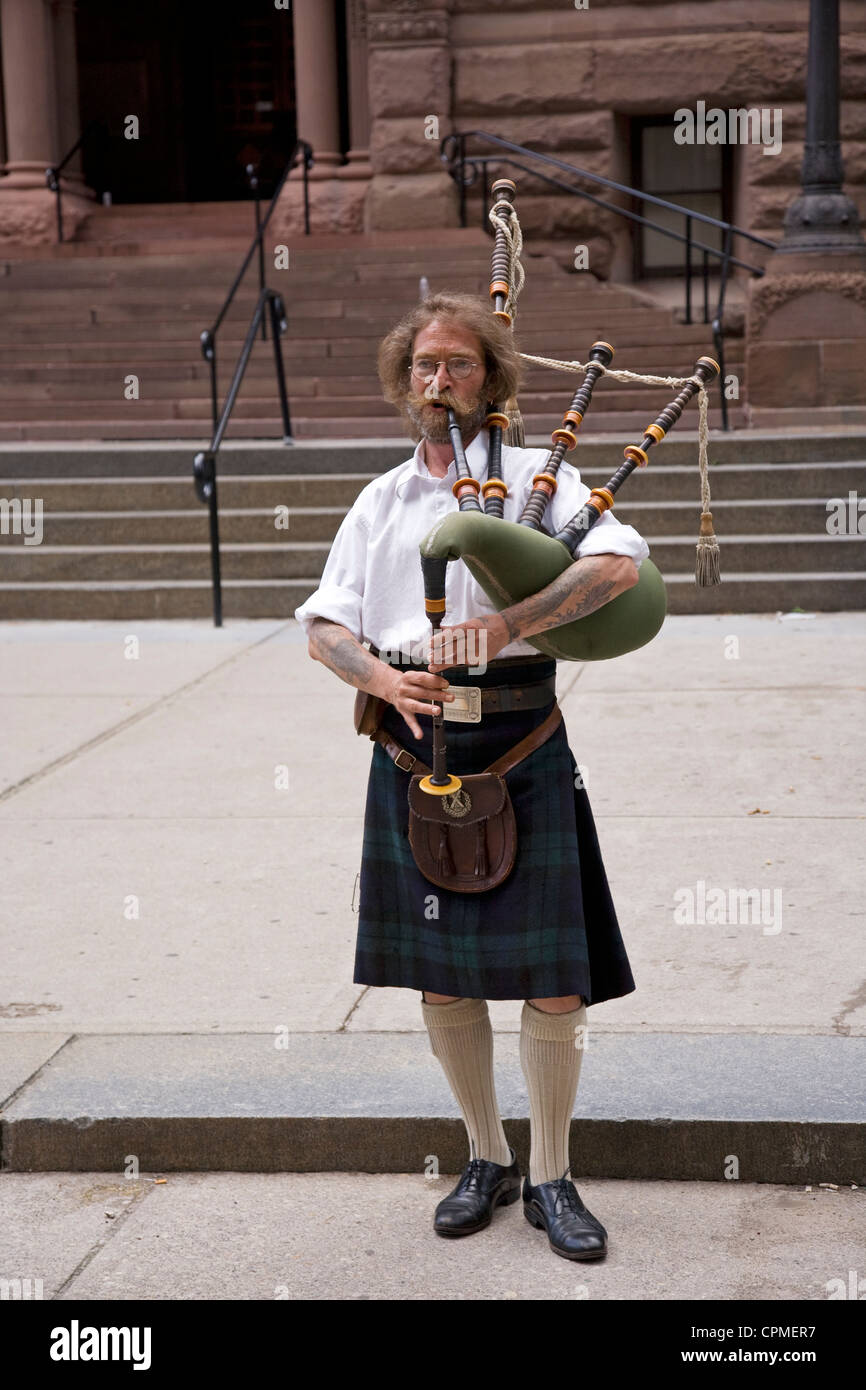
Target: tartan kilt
<point>549,929</point>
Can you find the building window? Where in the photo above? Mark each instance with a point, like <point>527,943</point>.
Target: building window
<point>696,176</point>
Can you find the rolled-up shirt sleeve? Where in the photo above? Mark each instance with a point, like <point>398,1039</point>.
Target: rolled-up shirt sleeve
<point>608,536</point>
<point>340,593</point>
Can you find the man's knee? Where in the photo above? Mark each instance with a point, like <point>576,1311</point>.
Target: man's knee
<point>562,1004</point>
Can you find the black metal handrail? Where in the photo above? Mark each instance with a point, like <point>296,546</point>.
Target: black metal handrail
<point>204,463</point>
<point>302,151</point>
<point>53,172</point>
<point>465,169</point>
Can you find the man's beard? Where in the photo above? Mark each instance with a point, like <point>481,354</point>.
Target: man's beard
<point>430,423</point>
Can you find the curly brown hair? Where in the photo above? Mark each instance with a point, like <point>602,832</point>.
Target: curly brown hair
<point>501,358</point>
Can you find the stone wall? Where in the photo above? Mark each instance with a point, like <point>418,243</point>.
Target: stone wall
<point>566,81</point>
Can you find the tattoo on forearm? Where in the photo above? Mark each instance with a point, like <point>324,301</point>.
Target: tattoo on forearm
<point>343,654</point>
<point>573,594</point>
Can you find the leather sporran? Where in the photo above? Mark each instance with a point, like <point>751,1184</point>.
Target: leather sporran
<point>467,840</point>
<point>368,712</point>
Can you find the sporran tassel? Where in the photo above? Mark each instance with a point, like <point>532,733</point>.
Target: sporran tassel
<point>481,865</point>
<point>445,864</point>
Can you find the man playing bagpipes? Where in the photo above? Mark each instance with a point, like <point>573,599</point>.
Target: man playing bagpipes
<point>529,915</point>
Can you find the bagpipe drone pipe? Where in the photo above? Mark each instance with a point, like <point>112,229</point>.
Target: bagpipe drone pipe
<point>513,560</point>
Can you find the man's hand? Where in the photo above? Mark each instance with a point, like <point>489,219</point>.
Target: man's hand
<point>582,588</point>
<point>449,646</point>
<point>408,691</point>
<point>414,692</point>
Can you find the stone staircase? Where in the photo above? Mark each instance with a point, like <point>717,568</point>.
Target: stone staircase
<point>124,536</point>
<point>79,322</point>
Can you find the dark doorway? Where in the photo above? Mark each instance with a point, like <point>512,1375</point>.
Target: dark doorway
<point>212,86</point>
<point>695,176</point>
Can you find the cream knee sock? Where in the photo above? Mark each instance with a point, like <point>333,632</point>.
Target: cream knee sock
<point>551,1062</point>
<point>462,1038</point>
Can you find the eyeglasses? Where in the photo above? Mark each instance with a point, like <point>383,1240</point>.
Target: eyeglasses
<point>458,367</point>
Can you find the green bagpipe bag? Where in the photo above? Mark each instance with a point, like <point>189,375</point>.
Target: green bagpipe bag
<point>512,562</point>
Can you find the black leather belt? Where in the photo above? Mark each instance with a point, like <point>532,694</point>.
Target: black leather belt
<point>502,699</point>
<point>499,699</point>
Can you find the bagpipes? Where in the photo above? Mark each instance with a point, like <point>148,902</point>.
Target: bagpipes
<point>513,560</point>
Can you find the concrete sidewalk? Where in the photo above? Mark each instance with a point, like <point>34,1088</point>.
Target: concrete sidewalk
<point>337,1236</point>
<point>180,834</point>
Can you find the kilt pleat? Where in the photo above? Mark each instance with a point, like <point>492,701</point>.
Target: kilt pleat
<point>550,929</point>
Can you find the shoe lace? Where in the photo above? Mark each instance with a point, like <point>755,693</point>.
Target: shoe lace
<point>566,1197</point>
<point>471,1178</point>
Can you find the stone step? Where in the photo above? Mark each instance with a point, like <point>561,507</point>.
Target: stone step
<point>201,246</point>
<point>804,516</point>
<point>445,244</point>
<point>96,430</point>
<point>652,1106</point>
<point>744,593</point>
<point>214,275</point>
<point>657,342</point>
<point>674,482</point>
<point>343,428</point>
<point>334,297</point>
<point>297,287</point>
<point>759,448</point>
<point>283,559</point>
<point>257,399</point>
<point>50,400</point>
<point>545,390</point>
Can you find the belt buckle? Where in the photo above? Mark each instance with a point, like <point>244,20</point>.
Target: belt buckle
<point>404,767</point>
<point>465,708</point>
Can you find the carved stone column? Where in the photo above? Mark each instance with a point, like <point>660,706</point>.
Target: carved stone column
<point>2,126</point>
<point>316,95</point>
<point>410,106</point>
<point>25,32</point>
<point>806,350</point>
<point>358,166</point>
<point>66,87</point>
<point>823,219</point>
<point>27,208</point>
<point>336,195</point>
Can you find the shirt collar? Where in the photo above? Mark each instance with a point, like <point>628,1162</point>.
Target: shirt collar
<point>476,458</point>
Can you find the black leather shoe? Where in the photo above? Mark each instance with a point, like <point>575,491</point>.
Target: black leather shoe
<point>572,1230</point>
<point>482,1186</point>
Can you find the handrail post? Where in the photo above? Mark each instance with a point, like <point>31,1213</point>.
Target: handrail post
<point>52,179</point>
<point>208,348</point>
<point>706,288</point>
<point>719,345</point>
<point>308,160</point>
<point>204,473</point>
<point>718,322</point>
<point>253,180</point>
<point>216,572</point>
<point>213,391</point>
<point>688,270</point>
<point>278,325</point>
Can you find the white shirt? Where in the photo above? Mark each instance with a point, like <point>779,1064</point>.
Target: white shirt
<point>372,581</point>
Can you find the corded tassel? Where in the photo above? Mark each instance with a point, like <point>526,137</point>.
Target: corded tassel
<point>707,567</point>
<point>707,558</point>
<point>481,869</point>
<point>516,436</point>
<point>446,863</point>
